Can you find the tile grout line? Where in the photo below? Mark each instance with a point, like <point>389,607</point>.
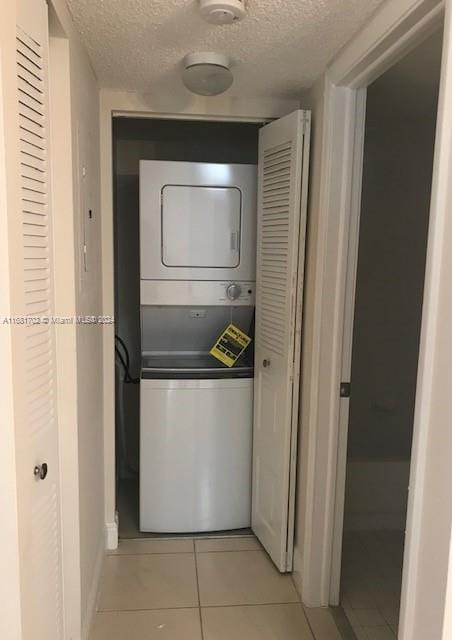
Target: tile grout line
<point>155,553</point>
<point>198,591</point>
<point>183,608</point>
<point>229,551</point>
<point>252,604</point>
<point>209,606</point>
<point>178,553</point>
<point>314,637</point>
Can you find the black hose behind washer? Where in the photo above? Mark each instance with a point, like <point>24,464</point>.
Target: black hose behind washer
<point>128,379</point>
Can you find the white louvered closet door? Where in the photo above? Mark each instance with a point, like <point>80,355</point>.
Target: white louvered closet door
<point>34,344</point>
<point>282,194</point>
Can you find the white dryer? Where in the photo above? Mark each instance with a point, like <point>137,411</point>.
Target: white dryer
<point>197,221</point>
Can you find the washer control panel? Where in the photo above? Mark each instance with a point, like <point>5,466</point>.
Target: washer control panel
<point>195,292</point>
<point>241,292</point>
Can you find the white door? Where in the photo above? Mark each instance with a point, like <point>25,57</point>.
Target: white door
<point>282,195</point>
<point>33,343</point>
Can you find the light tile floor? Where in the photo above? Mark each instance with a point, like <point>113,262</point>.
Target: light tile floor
<point>206,589</point>
<point>371,582</point>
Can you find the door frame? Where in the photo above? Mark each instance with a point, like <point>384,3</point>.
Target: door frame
<point>394,30</point>
<point>64,245</point>
<point>131,105</point>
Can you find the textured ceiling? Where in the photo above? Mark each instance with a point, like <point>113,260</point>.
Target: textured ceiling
<point>280,47</point>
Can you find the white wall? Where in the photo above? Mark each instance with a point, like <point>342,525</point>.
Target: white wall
<point>215,107</point>
<point>84,365</point>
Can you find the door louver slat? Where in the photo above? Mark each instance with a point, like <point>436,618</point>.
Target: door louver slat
<point>32,144</point>
<point>274,251</point>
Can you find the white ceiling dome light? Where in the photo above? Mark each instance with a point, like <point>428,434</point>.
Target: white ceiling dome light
<point>207,73</point>
<point>223,12</point>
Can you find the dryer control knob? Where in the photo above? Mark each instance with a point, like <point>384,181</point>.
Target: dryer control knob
<point>233,291</point>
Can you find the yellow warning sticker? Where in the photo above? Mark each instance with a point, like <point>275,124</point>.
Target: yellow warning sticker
<point>230,345</point>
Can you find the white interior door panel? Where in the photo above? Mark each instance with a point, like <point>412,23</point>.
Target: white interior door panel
<point>282,191</point>
<point>33,345</point>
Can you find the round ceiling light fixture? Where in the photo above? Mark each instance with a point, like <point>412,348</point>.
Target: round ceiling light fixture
<point>223,12</point>
<point>207,73</point>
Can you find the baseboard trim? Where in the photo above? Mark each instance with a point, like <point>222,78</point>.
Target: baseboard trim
<point>111,535</point>
<point>297,570</point>
<point>92,598</point>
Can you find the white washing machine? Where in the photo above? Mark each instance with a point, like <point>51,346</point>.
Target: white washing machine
<point>196,418</point>
<point>195,467</point>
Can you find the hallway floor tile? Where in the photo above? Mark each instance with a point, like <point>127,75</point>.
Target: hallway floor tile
<point>201,589</point>
<point>153,545</point>
<point>163,624</point>
<point>242,577</point>
<point>371,582</point>
<point>148,582</point>
<point>236,543</point>
<point>263,622</point>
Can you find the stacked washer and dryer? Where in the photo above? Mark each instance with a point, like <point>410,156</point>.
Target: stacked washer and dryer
<point>197,262</point>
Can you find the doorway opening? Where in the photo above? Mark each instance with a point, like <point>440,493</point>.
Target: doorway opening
<point>224,243</point>
<point>169,141</point>
<point>399,142</point>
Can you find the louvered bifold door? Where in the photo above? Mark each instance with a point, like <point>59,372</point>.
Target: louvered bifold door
<point>282,187</point>
<point>34,352</point>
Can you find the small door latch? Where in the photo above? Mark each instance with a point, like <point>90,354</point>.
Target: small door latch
<point>345,390</point>
<point>40,471</point>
